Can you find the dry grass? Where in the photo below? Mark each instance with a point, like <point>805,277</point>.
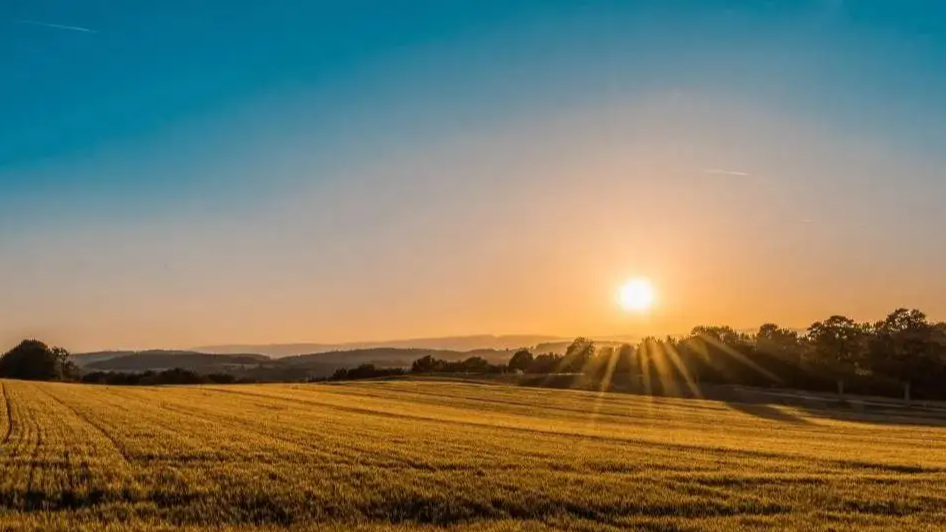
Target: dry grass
<point>418,455</point>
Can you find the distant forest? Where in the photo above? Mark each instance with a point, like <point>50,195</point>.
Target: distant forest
<point>903,355</point>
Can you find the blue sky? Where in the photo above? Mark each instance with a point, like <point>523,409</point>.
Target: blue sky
<point>305,144</point>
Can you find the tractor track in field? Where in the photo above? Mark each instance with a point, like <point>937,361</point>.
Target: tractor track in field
<point>625,439</point>
<point>6,405</point>
<point>34,454</point>
<point>254,428</point>
<point>359,454</point>
<point>618,417</point>
<point>119,447</point>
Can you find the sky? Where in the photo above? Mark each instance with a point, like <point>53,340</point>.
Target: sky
<point>184,173</point>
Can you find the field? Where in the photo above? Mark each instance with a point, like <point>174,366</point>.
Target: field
<point>424,455</point>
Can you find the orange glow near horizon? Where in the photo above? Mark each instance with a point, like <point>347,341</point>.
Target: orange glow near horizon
<point>529,226</point>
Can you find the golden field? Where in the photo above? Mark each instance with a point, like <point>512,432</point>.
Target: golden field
<point>436,454</point>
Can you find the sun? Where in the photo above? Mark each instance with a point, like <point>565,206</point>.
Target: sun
<point>637,295</point>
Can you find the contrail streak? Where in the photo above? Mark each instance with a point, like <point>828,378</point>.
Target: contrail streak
<point>56,26</point>
<point>720,171</point>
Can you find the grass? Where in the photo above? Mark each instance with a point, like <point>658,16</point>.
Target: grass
<point>424,455</point>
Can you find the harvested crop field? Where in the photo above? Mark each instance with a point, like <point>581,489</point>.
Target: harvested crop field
<point>427,454</point>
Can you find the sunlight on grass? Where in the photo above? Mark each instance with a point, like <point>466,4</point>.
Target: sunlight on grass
<point>403,455</point>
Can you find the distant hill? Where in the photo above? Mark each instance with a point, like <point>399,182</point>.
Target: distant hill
<point>449,343</point>
<point>84,359</point>
<point>390,357</point>
<point>261,367</point>
<point>313,364</point>
<point>158,360</point>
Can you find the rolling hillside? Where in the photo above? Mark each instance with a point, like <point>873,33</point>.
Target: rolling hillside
<point>263,368</point>
<point>391,357</point>
<point>201,362</point>
<point>449,343</point>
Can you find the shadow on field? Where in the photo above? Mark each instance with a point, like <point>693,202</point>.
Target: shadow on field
<point>768,411</point>
<point>855,414</point>
<point>785,405</point>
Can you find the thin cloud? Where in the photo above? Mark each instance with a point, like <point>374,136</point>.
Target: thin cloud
<point>720,171</point>
<point>55,26</point>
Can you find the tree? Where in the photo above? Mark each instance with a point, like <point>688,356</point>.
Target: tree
<point>724,335</point>
<point>625,359</point>
<point>545,363</point>
<point>838,346</point>
<point>521,360</point>
<point>364,371</point>
<point>838,340</point>
<point>907,347</point>
<point>36,361</point>
<point>578,355</point>
<point>427,364</point>
<point>772,338</point>
<point>721,354</point>
<point>474,365</point>
<point>781,344</point>
<point>601,366</point>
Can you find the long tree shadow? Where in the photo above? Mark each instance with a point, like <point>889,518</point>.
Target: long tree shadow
<point>768,411</point>
<point>851,408</point>
<point>875,416</point>
<point>805,407</point>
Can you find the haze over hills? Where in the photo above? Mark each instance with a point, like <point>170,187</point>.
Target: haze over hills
<point>448,343</point>
<point>148,356</point>
<point>262,368</point>
<point>391,353</point>
<point>304,360</point>
<point>179,359</point>
<point>392,356</point>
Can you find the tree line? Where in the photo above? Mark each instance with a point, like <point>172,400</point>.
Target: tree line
<point>903,354</point>
<point>364,371</point>
<point>156,378</point>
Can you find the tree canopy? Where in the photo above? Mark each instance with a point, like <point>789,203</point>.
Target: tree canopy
<point>33,360</point>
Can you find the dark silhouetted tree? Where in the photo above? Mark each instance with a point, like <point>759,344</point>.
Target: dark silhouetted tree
<point>365,371</point>
<point>545,363</point>
<point>474,365</point>
<point>578,355</point>
<point>838,347</point>
<point>906,347</point>
<point>625,362</point>
<point>723,355</point>
<point>721,335</point>
<point>775,340</point>
<point>427,364</point>
<point>34,360</point>
<point>782,352</point>
<point>521,360</point>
